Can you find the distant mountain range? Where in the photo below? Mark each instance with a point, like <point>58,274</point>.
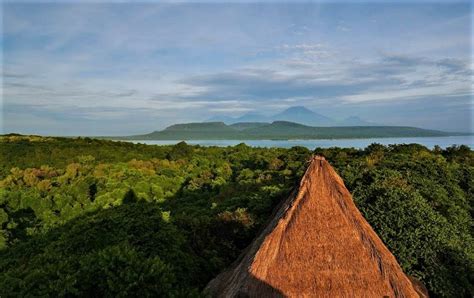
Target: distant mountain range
<point>279,130</point>
<point>297,114</point>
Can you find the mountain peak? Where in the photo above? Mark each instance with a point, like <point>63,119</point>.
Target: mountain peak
<point>297,114</point>
<point>303,115</point>
<point>297,109</point>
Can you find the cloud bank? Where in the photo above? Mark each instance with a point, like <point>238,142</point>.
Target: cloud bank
<point>99,69</point>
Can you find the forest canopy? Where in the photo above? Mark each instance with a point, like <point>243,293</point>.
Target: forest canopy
<point>89,217</point>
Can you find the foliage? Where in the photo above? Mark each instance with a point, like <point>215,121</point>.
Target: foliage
<point>86,217</point>
<point>115,252</point>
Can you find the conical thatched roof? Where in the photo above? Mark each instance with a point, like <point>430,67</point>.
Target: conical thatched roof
<point>317,245</point>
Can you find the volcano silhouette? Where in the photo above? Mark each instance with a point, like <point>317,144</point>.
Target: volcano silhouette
<point>318,244</point>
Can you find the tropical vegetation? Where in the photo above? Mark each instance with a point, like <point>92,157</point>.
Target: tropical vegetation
<point>89,217</point>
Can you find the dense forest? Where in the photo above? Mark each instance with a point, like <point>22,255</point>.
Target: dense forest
<point>89,217</point>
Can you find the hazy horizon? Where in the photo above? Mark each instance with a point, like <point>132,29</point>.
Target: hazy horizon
<point>131,68</point>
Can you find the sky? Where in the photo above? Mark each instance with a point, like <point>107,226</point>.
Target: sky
<point>91,68</point>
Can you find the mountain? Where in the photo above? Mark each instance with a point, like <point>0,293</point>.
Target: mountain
<point>225,119</point>
<point>297,114</point>
<point>191,131</point>
<point>279,130</point>
<point>317,244</point>
<point>303,115</point>
<point>200,127</point>
<point>291,130</point>
<point>249,117</point>
<point>355,121</point>
<point>247,125</point>
<point>252,117</point>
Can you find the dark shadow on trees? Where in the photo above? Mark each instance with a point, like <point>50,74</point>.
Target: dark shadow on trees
<point>128,249</point>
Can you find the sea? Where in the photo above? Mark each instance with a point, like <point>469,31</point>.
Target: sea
<point>429,142</point>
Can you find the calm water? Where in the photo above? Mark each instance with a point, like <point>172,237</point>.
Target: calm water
<point>429,142</point>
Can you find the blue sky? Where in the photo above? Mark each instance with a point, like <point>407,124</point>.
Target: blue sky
<point>124,68</point>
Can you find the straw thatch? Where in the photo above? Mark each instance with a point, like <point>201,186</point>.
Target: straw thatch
<point>317,245</point>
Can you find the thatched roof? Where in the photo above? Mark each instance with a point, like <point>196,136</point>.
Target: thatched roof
<point>317,245</point>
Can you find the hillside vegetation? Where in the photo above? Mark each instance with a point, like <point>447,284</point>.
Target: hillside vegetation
<point>88,217</point>
<point>281,130</point>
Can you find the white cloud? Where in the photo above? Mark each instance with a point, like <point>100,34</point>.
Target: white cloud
<point>176,61</point>
<point>407,94</point>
